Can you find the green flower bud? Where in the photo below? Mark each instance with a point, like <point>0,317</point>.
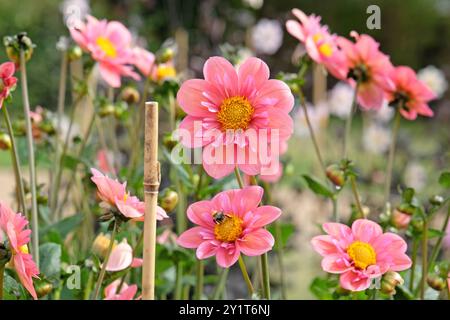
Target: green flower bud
<point>5,141</point>
<point>336,175</point>
<point>390,280</point>
<point>436,200</point>
<point>74,53</point>
<point>169,200</point>
<point>436,282</point>
<point>106,110</point>
<point>130,95</point>
<point>43,288</point>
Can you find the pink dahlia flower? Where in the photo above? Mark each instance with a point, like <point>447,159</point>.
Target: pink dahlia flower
<point>115,194</point>
<point>110,44</point>
<point>365,63</point>
<point>230,224</point>
<point>126,292</point>
<point>360,253</point>
<point>320,45</point>
<point>409,93</point>
<point>7,81</point>
<point>13,226</point>
<point>231,112</point>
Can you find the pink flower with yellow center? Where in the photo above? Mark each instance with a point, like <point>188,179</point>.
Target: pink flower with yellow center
<point>320,45</point>
<point>228,107</point>
<point>230,224</point>
<point>366,65</point>
<point>12,225</point>
<point>115,194</point>
<point>110,44</point>
<point>126,292</point>
<point>143,60</point>
<point>360,253</point>
<point>7,81</point>
<point>409,93</point>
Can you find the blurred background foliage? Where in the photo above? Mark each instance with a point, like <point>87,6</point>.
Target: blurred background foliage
<point>415,32</point>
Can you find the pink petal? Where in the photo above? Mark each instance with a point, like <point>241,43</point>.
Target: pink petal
<point>252,74</point>
<point>265,215</point>
<point>7,70</point>
<point>366,231</point>
<point>221,73</point>
<point>335,263</point>
<point>215,160</point>
<point>200,213</point>
<point>295,29</point>
<point>193,136</point>
<point>191,97</point>
<point>191,238</point>
<point>274,93</point>
<point>121,257</point>
<point>247,199</point>
<point>354,281</point>
<point>110,75</point>
<point>370,96</point>
<point>205,250</point>
<point>226,257</point>
<point>339,231</point>
<point>326,245</point>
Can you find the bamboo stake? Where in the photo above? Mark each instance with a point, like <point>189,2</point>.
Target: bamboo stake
<point>152,178</point>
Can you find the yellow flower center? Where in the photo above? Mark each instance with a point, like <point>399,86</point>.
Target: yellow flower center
<point>362,254</point>
<point>107,47</point>
<point>164,72</point>
<point>229,229</point>
<point>235,113</point>
<point>24,249</point>
<point>326,49</point>
<point>317,37</point>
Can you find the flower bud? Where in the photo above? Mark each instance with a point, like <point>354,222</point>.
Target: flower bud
<point>417,224</point>
<point>436,200</point>
<point>106,110</point>
<point>5,254</point>
<point>336,175</point>
<point>14,44</point>
<point>166,55</point>
<point>120,109</point>
<point>47,126</point>
<point>406,209</point>
<point>130,95</point>
<point>43,288</point>
<point>436,282</point>
<point>75,53</point>
<point>390,280</point>
<point>169,200</point>
<point>400,220</point>
<point>169,142</point>
<point>5,141</point>
<point>101,245</point>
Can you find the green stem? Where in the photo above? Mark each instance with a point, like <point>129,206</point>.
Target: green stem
<point>199,283</point>
<point>335,209</point>
<point>218,291</point>
<point>414,262</point>
<point>61,104</point>
<point>238,177</point>
<point>98,285</point>
<point>391,157</point>
<point>2,274</point>
<point>16,163</point>
<point>34,212</point>
<point>279,251</point>
<point>265,275</point>
<point>348,124</point>
<point>247,280</point>
<point>311,133</point>
<point>423,281</point>
<point>437,246</point>
<point>356,196</point>
<point>179,281</point>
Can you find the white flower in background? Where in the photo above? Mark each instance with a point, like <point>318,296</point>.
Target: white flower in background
<point>62,44</point>
<point>267,36</point>
<point>415,176</point>
<point>376,138</point>
<point>74,11</point>
<point>435,79</point>
<point>65,124</point>
<point>384,114</point>
<point>340,100</point>
<point>254,4</point>
<point>318,116</point>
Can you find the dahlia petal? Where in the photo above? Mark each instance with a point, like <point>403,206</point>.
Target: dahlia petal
<point>247,199</point>
<point>191,238</point>
<point>339,231</point>
<point>265,215</point>
<point>121,257</point>
<point>256,242</point>
<point>191,97</point>
<point>295,29</point>
<point>205,250</point>
<point>7,70</point>
<point>274,93</point>
<point>353,281</point>
<point>221,73</point>
<point>366,231</point>
<point>335,263</point>
<point>252,74</point>
<point>218,161</point>
<point>110,75</point>
<point>370,96</point>
<point>325,245</point>
<point>226,257</point>
<point>200,213</point>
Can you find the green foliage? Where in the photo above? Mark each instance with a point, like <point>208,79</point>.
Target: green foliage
<point>317,187</point>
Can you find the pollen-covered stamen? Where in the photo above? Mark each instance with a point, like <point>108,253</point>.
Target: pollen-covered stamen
<point>362,254</point>
<point>229,230</point>
<point>235,113</point>
<point>107,47</point>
